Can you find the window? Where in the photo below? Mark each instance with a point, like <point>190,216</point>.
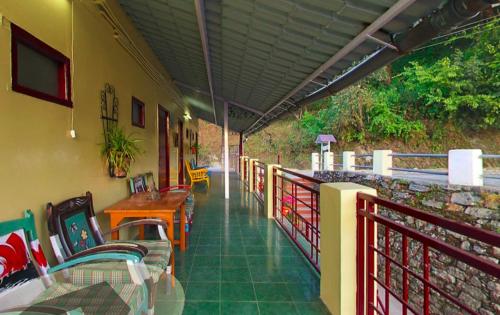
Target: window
<point>138,113</point>
<point>39,70</point>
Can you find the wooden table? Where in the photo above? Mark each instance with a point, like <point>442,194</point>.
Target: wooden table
<point>140,206</point>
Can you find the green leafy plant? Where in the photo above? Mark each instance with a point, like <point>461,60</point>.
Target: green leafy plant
<point>120,151</point>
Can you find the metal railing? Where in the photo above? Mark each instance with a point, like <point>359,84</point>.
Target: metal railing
<point>258,180</point>
<point>367,156</point>
<point>397,248</point>
<point>419,155</point>
<point>296,210</point>
<point>491,156</point>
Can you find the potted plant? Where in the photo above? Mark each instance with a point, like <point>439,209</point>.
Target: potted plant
<point>120,150</point>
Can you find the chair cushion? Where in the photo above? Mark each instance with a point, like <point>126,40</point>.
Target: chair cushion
<point>158,252</point>
<point>98,299</point>
<point>111,272</point>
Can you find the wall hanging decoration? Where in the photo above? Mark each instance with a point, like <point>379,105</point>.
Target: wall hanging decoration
<point>119,149</point>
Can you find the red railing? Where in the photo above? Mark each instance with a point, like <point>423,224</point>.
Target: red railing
<point>258,180</point>
<point>296,209</point>
<point>400,254</point>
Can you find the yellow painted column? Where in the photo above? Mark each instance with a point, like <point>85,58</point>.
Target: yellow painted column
<point>251,163</point>
<point>268,189</point>
<point>242,163</point>
<point>338,245</point>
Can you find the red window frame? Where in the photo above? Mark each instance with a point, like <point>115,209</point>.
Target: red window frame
<point>142,120</point>
<point>18,35</point>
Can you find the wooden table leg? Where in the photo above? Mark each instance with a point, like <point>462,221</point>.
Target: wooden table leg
<point>182,228</point>
<point>114,221</point>
<point>169,218</point>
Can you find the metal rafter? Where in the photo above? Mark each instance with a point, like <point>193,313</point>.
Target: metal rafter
<point>390,14</point>
<point>220,98</point>
<point>202,26</point>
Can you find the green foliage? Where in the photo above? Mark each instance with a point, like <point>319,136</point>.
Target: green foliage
<point>121,149</point>
<point>453,81</point>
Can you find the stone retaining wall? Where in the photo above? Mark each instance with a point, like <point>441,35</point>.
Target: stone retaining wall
<point>477,206</point>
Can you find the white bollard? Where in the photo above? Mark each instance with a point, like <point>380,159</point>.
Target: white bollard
<point>348,161</point>
<point>315,162</point>
<point>465,167</point>
<point>382,162</point>
<point>328,161</point>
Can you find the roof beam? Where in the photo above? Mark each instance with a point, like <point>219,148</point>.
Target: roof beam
<point>390,14</point>
<point>202,26</point>
<point>220,98</point>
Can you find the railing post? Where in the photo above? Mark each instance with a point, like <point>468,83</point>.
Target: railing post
<point>315,162</point>
<point>268,189</point>
<point>382,162</point>
<point>465,167</point>
<point>251,174</point>
<point>348,161</point>
<point>328,161</point>
<point>338,245</point>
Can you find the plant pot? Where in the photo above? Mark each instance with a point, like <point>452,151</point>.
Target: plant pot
<point>119,173</point>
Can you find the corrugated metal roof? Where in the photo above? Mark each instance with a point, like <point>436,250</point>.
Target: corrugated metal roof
<point>260,50</point>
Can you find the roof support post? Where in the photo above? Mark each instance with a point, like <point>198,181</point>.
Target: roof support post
<point>226,150</point>
<point>202,26</point>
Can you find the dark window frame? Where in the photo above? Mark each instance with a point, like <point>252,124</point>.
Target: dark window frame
<point>18,35</point>
<point>142,113</point>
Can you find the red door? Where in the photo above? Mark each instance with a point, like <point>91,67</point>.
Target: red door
<point>163,147</point>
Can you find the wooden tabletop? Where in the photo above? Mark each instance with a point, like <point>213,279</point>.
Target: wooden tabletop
<point>170,200</point>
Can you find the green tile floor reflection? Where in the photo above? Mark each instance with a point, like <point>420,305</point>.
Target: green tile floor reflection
<point>239,262</point>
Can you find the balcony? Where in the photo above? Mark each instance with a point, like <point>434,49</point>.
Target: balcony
<point>240,262</point>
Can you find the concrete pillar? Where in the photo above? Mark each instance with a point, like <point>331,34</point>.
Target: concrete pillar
<point>328,161</point>
<point>382,162</point>
<point>315,162</point>
<point>465,167</point>
<point>338,245</point>
<point>268,189</point>
<point>348,161</point>
<point>251,163</point>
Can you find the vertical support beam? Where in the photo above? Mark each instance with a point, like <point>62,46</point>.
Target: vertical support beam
<point>348,161</point>
<point>242,167</point>
<point>382,162</point>
<point>226,150</point>
<point>251,175</point>
<point>268,189</point>
<point>465,167</point>
<point>240,149</point>
<point>338,245</point>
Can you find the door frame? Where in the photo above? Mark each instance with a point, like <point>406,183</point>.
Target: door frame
<point>167,144</point>
<point>180,157</point>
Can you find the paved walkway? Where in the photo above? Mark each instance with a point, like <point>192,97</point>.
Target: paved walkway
<point>239,262</point>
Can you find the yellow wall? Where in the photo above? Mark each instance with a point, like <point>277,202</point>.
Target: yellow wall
<point>39,162</point>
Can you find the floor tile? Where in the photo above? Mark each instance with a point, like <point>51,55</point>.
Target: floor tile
<point>233,261</point>
<point>315,308</point>
<point>277,308</point>
<point>205,274</point>
<point>201,308</point>
<point>203,291</point>
<point>206,261</point>
<point>272,292</point>
<point>239,308</point>
<point>237,274</point>
<point>207,250</point>
<point>237,291</point>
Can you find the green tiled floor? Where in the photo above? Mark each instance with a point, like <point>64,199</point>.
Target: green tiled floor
<point>239,262</point>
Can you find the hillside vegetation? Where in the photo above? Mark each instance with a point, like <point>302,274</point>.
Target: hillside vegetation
<point>443,96</point>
